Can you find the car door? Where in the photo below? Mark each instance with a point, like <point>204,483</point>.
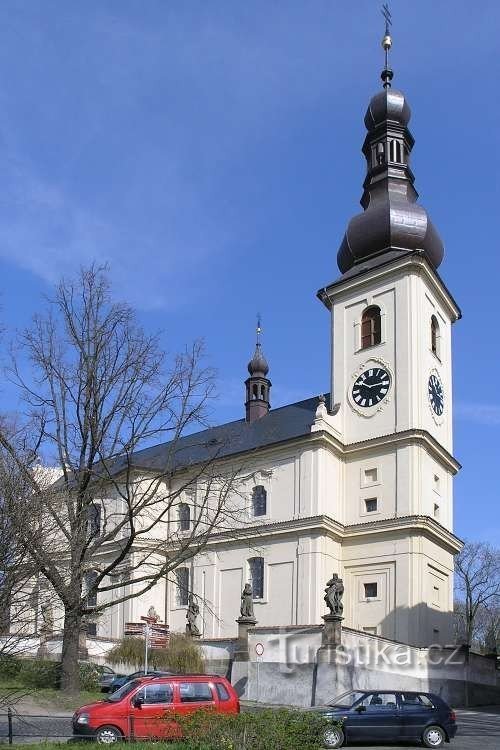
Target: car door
<point>150,718</point>
<point>375,717</point>
<point>416,712</point>
<point>194,695</point>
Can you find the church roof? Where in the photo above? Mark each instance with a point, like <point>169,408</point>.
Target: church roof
<point>231,438</point>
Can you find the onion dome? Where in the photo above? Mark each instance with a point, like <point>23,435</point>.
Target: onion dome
<point>392,221</point>
<point>258,364</point>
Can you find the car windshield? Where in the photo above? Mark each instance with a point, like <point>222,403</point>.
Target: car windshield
<point>123,691</point>
<point>346,700</point>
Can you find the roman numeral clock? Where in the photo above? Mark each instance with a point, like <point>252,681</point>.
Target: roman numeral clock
<point>371,387</point>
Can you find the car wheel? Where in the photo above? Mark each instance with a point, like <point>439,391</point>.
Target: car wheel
<point>108,735</point>
<point>434,737</point>
<point>333,737</point>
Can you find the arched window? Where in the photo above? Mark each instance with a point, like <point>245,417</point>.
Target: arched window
<point>256,570</point>
<point>435,337</point>
<point>182,580</point>
<point>184,517</point>
<point>371,328</point>
<point>259,501</point>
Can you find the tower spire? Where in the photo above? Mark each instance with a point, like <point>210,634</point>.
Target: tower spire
<point>387,74</point>
<point>392,222</point>
<point>258,384</point>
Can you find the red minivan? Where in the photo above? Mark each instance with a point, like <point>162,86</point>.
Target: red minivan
<point>140,708</point>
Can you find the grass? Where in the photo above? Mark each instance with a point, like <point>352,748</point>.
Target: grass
<point>48,697</point>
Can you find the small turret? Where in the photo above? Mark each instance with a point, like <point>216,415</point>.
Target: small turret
<point>258,384</point>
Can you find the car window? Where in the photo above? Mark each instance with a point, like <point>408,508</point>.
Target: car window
<point>346,700</point>
<point>222,692</point>
<point>416,699</point>
<point>156,693</point>
<point>194,692</point>
<point>123,691</point>
<point>379,701</point>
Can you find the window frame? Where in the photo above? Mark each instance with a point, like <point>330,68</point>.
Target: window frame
<point>250,561</point>
<point>435,337</point>
<point>184,517</point>
<point>370,597</point>
<point>371,317</point>
<point>263,499</point>
<point>182,593</point>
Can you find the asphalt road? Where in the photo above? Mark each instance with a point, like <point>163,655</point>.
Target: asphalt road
<point>478,729</point>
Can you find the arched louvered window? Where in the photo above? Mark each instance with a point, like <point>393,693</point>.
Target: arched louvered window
<point>256,570</point>
<point>259,501</point>
<point>184,517</point>
<point>371,327</point>
<point>435,337</point>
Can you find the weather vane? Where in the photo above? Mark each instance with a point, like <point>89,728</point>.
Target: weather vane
<point>387,73</point>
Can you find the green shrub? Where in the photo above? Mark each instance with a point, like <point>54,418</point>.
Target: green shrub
<point>89,675</point>
<point>182,655</point>
<point>280,729</point>
<point>39,673</point>
<point>9,666</point>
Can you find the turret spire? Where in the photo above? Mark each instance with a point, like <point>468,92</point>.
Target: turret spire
<point>258,384</point>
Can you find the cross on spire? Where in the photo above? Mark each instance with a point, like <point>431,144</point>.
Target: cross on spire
<point>387,73</point>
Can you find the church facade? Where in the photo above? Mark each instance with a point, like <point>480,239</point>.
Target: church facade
<point>357,482</point>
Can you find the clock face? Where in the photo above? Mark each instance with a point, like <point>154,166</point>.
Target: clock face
<point>436,394</point>
<point>371,387</point>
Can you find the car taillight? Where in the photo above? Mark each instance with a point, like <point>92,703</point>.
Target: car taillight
<point>453,716</point>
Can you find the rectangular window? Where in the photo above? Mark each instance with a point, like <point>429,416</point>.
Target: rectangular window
<point>92,629</point>
<point>436,484</point>
<point>90,579</point>
<point>182,594</point>
<point>222,692</point>
<point>371,590</point>
<point>259,501</point>
<point>94,522</point>
<point>436,510</point>
<point>371,476</point>
<point>158,693</point>
<point>256,569</point>
<point>371,504</point>
<point>195,692</point>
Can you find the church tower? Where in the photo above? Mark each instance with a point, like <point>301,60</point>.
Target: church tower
<point>391,385</point>
<point>258,385</point>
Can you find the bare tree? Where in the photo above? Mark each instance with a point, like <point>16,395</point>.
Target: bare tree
<point>98,389</point>
<point>477,583</point>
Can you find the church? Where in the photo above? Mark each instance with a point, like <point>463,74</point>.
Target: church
<point>358,481</point>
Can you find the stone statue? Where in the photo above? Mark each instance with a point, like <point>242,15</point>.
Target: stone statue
<point>333,595</point>
<point>192,613</point>
<point>152,614</point>
<point>246,609</point>
<point>47,626</point>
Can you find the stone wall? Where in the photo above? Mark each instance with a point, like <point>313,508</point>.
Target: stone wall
<point>283,669</point>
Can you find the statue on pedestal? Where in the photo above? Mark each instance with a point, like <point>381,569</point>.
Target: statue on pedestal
<point>333,595</point>
<point>246,609</point>
<point>192,613</point>
<point>153,614</point>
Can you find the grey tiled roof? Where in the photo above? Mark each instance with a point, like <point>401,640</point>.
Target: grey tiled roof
<point>284,423</point>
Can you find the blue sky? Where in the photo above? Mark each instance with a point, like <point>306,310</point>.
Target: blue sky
<point>210,152</point>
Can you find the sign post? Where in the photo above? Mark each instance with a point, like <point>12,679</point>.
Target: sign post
<point>155,635</point>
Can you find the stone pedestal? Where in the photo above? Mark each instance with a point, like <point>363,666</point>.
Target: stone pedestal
<point>241,652</point>
<point>331,638</point>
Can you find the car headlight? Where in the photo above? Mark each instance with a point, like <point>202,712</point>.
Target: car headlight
<point>83,719</point>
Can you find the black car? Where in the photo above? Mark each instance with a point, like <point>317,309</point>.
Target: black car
<point>119,681</point>
<point>391,715</point>
<point>106,678</point>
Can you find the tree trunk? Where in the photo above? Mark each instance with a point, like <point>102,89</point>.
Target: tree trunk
<point>70,676</point>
